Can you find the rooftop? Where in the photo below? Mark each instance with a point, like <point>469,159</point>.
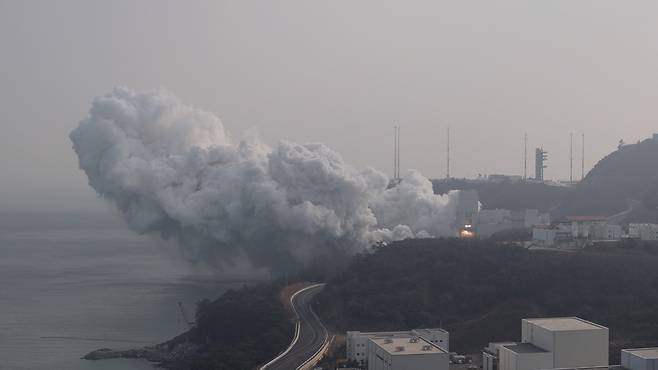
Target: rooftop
<point>524,348</point>
<point>565,324</point>
<point>646,353</point>
<point>383,334</point>
<point>406,346</point>
<point>401,334</point>
<point>429,330</point>
<point>586,218</point>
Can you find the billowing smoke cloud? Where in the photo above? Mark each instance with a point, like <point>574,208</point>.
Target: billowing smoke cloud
<point>171,169</point>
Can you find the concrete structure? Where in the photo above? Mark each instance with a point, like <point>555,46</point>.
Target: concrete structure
<point>406,354</point>
<point>643,231</point>
<point>640,358</point>
<point>576,231</point>
<point>504,178</point>
<point>573,342</point>
<point>357,342</point>
<point>491,354</point>
<point>605,232</point>
<point>491,221</point>
<point>525,356</point>
<point>435,336</point>
<point>551,343</point>
<point>594,228</point>
<point>548,236</point>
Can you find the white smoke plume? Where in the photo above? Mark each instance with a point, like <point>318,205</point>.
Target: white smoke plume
<point>171,169</point>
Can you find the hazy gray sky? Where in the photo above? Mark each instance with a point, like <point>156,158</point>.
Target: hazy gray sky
<point>338,72</point>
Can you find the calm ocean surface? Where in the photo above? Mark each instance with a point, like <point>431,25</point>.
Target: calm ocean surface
<point>70,284</point>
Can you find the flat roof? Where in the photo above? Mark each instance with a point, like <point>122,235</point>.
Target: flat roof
<point>524,348</point>
<point>565,324</point>
<point>646,353</point>
<point>374,334</point>
<point>430,330</point>
<point>407,333</point>
<point>586,218</point>
<point>407,346</point>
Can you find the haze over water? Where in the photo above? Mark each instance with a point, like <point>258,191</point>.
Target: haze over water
<point>70,284</point>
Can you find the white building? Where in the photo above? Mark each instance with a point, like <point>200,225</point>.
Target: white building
<point>551,343</point>
<point>406,354</point>
<point>491,221</point>
<point>357,342</point>
<point>491,354</point>
<point>524,356</point>
<point>594,228</point>
<point>640,358</point>
<point>578,228</point>
<point>643,231</point>
<point>550,236</point>
<point>574,342</point>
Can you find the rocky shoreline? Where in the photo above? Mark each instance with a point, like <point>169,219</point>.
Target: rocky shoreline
<point>170,356</point>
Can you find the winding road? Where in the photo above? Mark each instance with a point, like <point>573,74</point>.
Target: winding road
<point>311,336</point>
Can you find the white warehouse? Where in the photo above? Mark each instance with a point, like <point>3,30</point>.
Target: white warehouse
<point>640,358</point>
<point>552,343</point>
<point>406,354</point>
<point>643,231</point>
<point>524,356</point>
<point>357,342</point>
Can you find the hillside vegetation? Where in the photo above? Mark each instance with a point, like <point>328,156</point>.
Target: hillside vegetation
<point>240,330</point>
<point>628,173</point>
<point>480,291</point>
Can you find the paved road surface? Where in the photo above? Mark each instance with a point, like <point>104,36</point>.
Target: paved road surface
<point>312,333</point>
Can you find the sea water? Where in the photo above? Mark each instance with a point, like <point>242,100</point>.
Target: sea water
<point>70,284</point>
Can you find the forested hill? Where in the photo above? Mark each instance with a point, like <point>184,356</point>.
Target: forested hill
<point>630,173</point>
<point>480,291</point>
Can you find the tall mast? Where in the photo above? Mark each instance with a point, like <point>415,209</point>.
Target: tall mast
<point>448,156</point>
<point>398,173</point>
<point>571,160</point>
<point>525,156</point>
<point>395,152</point>
<point>582,158</point>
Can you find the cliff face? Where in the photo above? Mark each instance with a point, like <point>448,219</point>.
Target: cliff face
<point>624,176</point>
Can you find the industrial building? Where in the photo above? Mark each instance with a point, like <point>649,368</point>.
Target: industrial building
<point>594,228</point>
<point>357,342</point>
<point>491,353</point>
<point>643,231</point>
<point>551,343</point>
<point>576,231</point>
<point>406,354</point>
<point>496,178</point>
<point>473,222</point>
<point>524,356</point>
<point>490,221</point>
<point>640,359</point>
<point>548,236</point>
